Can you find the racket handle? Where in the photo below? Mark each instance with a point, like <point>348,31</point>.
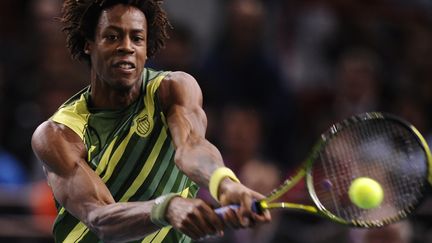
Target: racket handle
<point>222,210</point>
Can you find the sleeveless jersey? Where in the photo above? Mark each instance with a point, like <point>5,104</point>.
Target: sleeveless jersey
<point>131,150</point>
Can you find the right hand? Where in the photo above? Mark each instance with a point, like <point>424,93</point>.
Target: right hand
<point>236,193</point>
<point>194,218</point>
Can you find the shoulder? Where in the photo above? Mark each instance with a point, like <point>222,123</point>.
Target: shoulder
<point>179,78</point>
<point>50,133</point>
<point>179,87</point>
<point>48,130</point>
<point>52,141</point>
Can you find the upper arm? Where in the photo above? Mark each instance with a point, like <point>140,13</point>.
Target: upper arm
<point>181,98</point>
<point>75,185</point>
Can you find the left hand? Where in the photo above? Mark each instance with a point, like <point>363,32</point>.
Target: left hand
<point>231,192</point>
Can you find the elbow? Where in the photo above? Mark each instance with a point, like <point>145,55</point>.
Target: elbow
<point>185,154</point>
<point>179,157</point>
<point>96,224</point>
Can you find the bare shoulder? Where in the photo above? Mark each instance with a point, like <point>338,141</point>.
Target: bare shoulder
<point>54,143</point>
<point>45,133</point>
<point>180,76</point>
<point>179,88</point>
<point>51,132</point>
<point>180,79</point>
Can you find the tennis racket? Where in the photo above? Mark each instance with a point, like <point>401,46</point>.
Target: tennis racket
<point>379,146</point>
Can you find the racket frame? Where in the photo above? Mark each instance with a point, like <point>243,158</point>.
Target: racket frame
<point>305,171</point>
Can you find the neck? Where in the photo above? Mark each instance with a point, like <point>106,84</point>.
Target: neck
<point>104,95</point>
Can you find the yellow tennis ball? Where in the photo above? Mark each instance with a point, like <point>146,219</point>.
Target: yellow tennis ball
<point>366,193</point>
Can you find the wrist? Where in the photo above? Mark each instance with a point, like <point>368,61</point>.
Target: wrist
<point>221,177</point>
<point>158,211</point>
<point>225,185</point>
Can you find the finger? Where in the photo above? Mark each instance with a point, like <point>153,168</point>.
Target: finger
<point>191,225</point>
<point>192,231</point>
<point>257,196</point>
<point>265,216</point>
<point>245,212</point>
<point>213,220</point>
<point>201,224</point>
<point>232,219</point>
<point>208,221</point>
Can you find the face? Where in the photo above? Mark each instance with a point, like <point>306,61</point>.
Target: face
<point>119,50</point>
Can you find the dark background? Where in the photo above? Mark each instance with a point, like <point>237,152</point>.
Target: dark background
<point>274,73</point>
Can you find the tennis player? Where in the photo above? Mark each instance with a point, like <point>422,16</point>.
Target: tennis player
<point>125,156</point>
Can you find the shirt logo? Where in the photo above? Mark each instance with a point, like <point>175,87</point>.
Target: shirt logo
<point>144,126</point>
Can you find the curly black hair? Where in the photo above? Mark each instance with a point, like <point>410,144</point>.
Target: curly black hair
<point>80,17</point>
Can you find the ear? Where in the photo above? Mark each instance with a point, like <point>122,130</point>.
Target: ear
<point>87,47</point>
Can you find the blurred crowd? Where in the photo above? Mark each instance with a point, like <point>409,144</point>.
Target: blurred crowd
<point>274,74</point>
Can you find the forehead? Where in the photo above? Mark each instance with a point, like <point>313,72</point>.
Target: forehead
<point>122,16</point>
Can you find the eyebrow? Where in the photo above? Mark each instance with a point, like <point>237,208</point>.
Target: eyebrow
<point>119,29</point>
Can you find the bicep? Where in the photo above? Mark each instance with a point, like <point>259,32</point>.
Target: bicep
<point>74,184</point>
<point>182,101</point>
<point>187,122</point>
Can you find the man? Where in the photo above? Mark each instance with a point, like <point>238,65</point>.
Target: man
<point>123,156</point>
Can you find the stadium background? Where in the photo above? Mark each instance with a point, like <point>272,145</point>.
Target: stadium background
<point>274,73</point>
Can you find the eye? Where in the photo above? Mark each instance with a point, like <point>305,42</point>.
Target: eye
<point>111,37</point>
<point>138,39</point>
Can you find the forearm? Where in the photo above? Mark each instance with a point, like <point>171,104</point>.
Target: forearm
<point>198,160</point>
<point>121,222</point>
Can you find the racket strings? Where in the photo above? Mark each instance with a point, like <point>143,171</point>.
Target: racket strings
<point>402,192</point>
<point>380,149</point>
<point>401,185</point>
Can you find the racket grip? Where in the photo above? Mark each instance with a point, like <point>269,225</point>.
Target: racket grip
<point>222,210</point>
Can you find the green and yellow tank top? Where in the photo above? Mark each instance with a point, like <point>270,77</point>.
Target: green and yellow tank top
<point>132,152</point>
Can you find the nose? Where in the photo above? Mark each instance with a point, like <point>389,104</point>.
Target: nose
<point>125,46</point>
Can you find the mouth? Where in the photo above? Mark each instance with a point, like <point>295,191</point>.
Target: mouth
<point>124,65</point>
